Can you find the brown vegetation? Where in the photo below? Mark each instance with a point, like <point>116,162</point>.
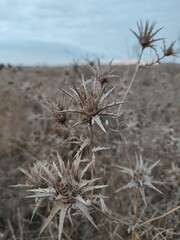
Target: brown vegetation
<point>149,125</point>
<point>93,144</point>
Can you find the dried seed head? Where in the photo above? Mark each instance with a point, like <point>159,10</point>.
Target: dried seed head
<point>169,51</point>
<point>56,108</point>
<point>89,97</point>
<point>64,187</point>
<point>102,74</point>
<point>60,118</point>
<point>140,177</point>
<point>146,33</point>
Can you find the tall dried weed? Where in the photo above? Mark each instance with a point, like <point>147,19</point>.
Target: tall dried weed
<point>69,185</point>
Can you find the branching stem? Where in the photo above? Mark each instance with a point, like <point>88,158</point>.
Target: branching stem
<point>132,80</point>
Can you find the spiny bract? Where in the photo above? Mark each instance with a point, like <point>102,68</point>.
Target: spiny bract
<point>64,187</point>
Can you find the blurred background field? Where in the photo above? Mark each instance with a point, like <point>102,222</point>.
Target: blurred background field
<point>149,123</point>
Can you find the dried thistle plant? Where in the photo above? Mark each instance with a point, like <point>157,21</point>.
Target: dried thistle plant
<point>140,177</point>
<point>64,187</point>
<point>169,51</point>
<point>146,34</point>
<point>89,98</point>
<point>54,107</point>
<point>101,73</point>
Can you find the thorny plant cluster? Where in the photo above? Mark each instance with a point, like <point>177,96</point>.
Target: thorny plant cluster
<point>70,186</point>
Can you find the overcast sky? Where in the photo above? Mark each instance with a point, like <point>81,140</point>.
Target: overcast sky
<point>60,31</point>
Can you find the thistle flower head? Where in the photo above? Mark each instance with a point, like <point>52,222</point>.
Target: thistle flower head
<point>101,73</point>
<point>169,51</point>
<point>146,33</point>
<point>54,107</point>
<point>64,186</point>
<point>140,177</point>
<point>89,97</point>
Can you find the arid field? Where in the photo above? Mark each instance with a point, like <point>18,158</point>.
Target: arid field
<point>149,126</point>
